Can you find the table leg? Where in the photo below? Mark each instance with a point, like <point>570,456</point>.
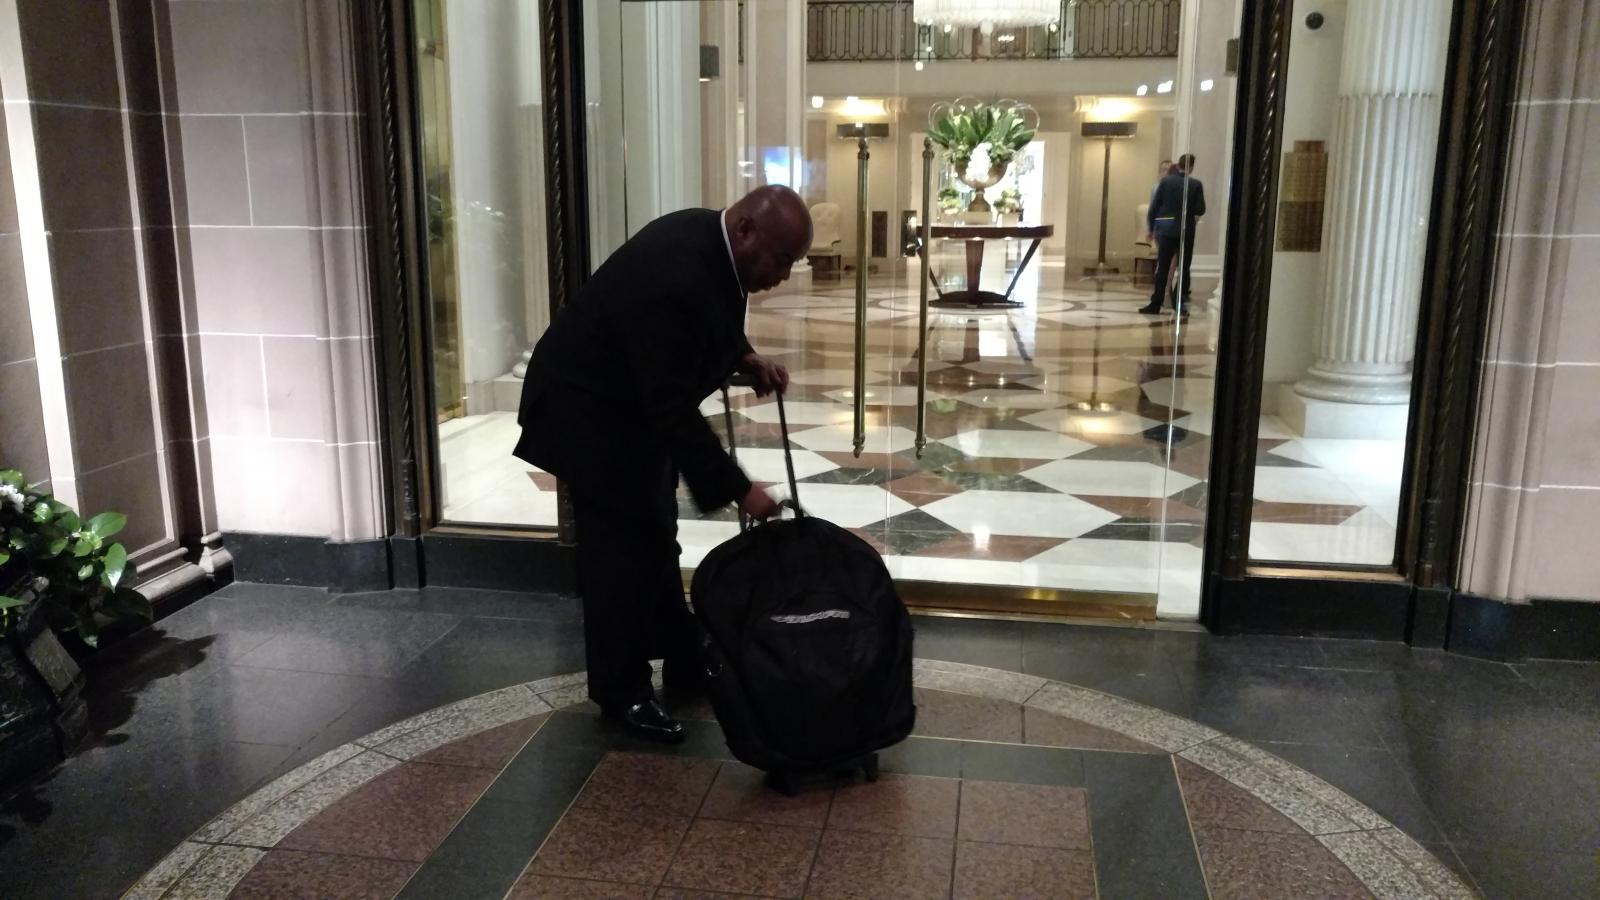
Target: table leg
<point>1026,258</point>
<point>974,268</point>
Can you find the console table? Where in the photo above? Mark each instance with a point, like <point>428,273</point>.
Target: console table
<point>973,296</point>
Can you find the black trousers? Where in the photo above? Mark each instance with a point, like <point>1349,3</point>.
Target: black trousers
<point>1171,240</point>
<point>628,575</point>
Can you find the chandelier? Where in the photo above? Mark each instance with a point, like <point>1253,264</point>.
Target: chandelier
<point>986,15</point>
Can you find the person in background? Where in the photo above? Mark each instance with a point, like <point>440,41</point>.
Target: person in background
<point>1175,210</point>
<point>611,406</point>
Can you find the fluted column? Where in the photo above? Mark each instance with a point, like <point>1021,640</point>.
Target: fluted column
<point>1379,183</point>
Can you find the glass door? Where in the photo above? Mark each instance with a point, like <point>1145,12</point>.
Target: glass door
<point>976,390</point>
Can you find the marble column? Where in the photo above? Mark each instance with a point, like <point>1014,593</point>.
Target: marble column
<point>1380,177</point>
<point>777,82</point>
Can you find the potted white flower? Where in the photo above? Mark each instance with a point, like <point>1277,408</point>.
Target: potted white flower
<point>59,574</point>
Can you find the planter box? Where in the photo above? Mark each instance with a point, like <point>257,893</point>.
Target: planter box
<point>42,715</point>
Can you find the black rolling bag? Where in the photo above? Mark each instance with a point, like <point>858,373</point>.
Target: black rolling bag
<point>807,645</point>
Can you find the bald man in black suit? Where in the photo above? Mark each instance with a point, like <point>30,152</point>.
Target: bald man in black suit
<point>611,405</point>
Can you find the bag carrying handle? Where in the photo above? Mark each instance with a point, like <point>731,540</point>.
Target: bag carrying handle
<point>749,381</point>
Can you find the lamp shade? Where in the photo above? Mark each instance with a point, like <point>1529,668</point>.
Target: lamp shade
<point>1110,129</point>
<point>992,13</point>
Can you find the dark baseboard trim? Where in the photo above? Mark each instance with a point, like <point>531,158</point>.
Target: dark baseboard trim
<point>447,560</point>
<point>1543,629</point>
<point>1430,618</point>
<point>1310,606</point>
<point>342,566</point>
<point>499,562</point>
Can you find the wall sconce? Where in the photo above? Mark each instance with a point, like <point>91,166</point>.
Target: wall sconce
<point>872,131</point>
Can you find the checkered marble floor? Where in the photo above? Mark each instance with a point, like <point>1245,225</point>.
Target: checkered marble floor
<point>1013,487</point>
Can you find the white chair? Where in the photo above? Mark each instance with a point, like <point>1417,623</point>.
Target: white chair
<point>825,238</point>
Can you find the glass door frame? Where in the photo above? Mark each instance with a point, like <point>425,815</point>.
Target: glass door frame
<point>1409,599</point>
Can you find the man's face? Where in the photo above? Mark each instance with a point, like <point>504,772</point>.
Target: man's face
<point>764,259</point>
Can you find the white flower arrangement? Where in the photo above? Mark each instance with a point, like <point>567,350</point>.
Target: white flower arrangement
<point>13,498</point>
<point>980,160</point>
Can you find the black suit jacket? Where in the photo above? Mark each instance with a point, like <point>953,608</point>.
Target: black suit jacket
<point>615,384</point>
<point>1177,195</point>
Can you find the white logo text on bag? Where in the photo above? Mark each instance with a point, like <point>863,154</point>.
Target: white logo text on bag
<point>812,617</point>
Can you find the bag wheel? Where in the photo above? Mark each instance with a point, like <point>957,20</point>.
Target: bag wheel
<point>783,783</point>
<point>869,767</point>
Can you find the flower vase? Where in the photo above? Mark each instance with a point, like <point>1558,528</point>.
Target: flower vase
<point>979,212</point>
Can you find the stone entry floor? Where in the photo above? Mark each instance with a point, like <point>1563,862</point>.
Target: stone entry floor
<point>577,810</point>
<point>283,742</point>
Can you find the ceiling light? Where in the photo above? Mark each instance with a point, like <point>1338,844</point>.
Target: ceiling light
<point>1207,85</point>
<point>1164,87</point>
<point>986,13</point>
<point>816,102</point>
<point>1143,89</point>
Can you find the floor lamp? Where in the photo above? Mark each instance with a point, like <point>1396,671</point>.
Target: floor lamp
<point>1107,131</point>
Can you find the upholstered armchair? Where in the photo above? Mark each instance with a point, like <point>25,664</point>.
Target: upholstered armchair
<point>825,238</point>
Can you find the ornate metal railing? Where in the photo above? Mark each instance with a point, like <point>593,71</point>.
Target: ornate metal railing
<point>884,31</point>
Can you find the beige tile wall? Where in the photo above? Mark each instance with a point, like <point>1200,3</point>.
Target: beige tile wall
<point>100,420</point>
<point>262,134</point>
<point>1535,504</point>
<point>21,415</point>
<point>195,215</point>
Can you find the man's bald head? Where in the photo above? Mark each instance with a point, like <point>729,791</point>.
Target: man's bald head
<point>769,230</point>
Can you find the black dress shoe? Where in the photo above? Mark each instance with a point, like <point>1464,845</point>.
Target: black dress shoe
<point>649,720</point>
<point>1150,310</point>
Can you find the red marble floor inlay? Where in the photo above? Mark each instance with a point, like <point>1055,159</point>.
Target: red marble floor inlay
<point>1248,865</point>
<point>403,814</point>
<point>897,837</point>
<point>744,858</point>
<point>634,846</point>
<point>914,805</point>
<point>490,749</point>
<point>963,717</point>
<point>300,875</point>
<point>545,887</point>
<point>647,781</point>
<point>985,871</point>
<point>740,794</point>
<point>853,866</point>
<point>1213,801</point>
<point>1025,814</point>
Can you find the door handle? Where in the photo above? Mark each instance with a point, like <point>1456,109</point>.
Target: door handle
<point>863,156</point>
<point>922,306</point>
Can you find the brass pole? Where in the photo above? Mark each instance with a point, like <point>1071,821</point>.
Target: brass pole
<point>922,307</point>
<point>862,158</point>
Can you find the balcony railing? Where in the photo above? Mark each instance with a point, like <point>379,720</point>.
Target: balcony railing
<point>884,31</point>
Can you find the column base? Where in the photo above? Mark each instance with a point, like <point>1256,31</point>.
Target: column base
<point>1312,418</point>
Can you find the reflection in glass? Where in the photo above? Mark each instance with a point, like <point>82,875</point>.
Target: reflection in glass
<point>1066,435</point>
<point>1361,123</point>
<point>488,280</point>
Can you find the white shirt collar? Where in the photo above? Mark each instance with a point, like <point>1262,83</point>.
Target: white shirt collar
<point>731,261</point>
